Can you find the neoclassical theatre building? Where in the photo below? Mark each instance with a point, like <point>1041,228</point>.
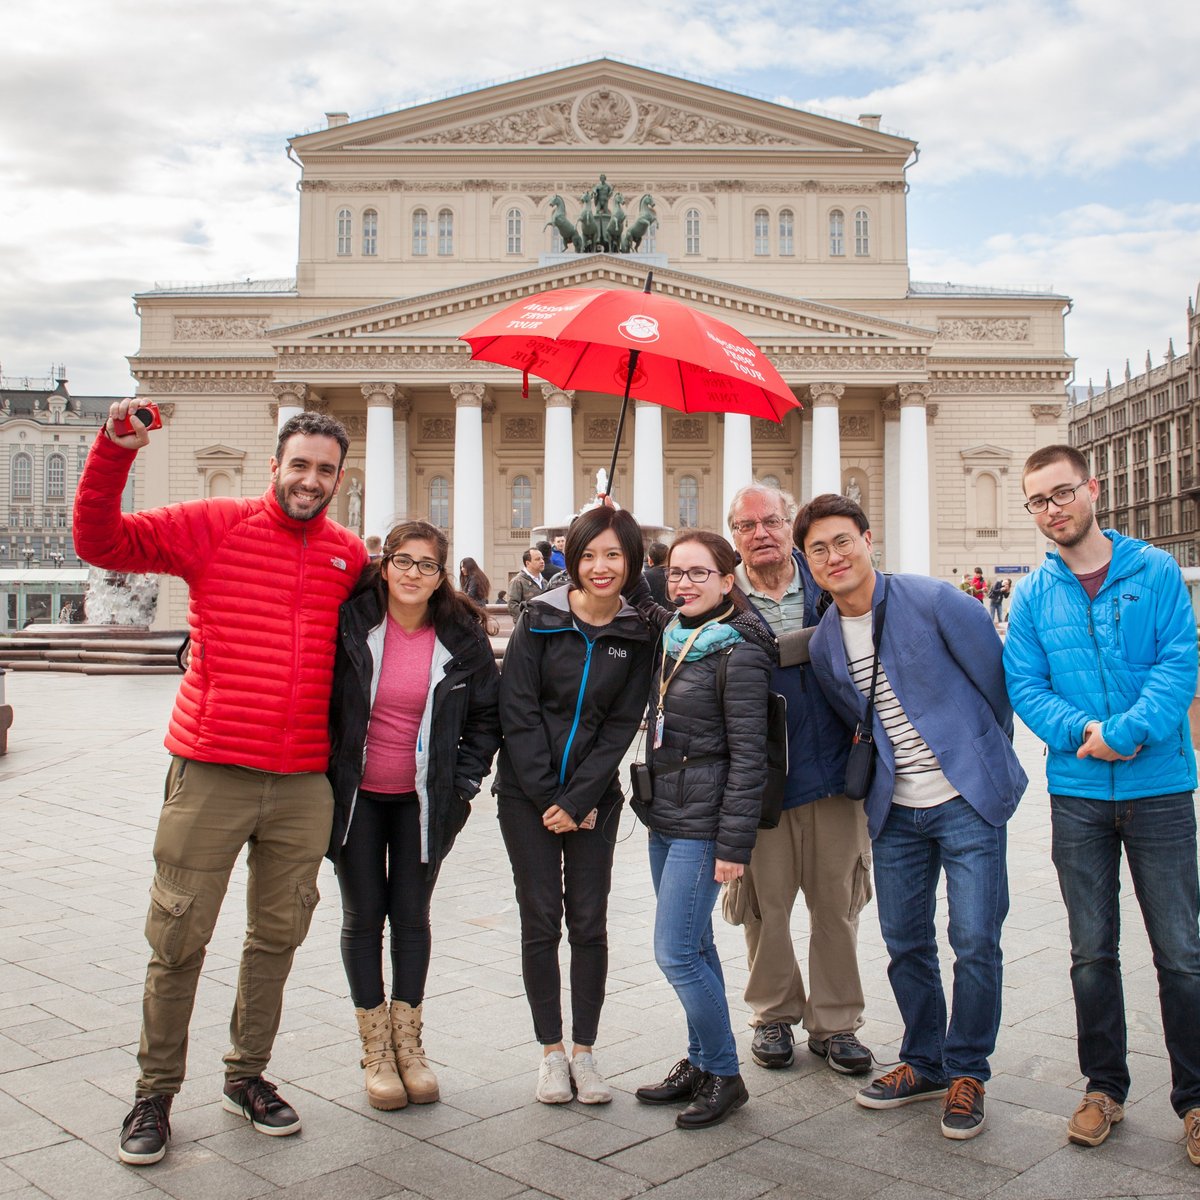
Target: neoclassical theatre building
<point>921,399</point>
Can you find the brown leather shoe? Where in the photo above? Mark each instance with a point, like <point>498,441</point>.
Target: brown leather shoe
<point>1191,1125</point>
<point>1093,1120</point>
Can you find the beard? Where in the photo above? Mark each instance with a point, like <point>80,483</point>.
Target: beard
<point>1072,533</point>
<point>293,511</point>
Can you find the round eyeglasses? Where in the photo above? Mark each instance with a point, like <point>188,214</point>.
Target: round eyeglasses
<point>695,574</point>
<point>843,544</point>
<point>1061,497</point>
<point>405,563</point>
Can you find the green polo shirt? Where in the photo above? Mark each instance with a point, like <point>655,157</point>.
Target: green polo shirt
<point>783,615</point>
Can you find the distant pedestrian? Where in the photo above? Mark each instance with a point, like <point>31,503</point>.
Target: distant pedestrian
<point>655,573</point>
<point>474,582</point>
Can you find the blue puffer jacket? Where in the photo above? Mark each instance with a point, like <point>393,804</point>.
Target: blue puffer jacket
<point>1126,659</point>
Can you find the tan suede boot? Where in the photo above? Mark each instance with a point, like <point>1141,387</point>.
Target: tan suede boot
<point>419,1081</point>
<point>384,1089</point>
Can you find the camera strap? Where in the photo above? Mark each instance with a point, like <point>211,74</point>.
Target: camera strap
<point>863,733</point>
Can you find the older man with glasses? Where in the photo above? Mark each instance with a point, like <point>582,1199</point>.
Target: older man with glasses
<point>1101,665</point>
<point>820,846</point>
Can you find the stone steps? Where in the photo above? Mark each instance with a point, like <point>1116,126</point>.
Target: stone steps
<point>91,650</point>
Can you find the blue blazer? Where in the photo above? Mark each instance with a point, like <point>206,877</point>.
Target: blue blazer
<point>943,659</point>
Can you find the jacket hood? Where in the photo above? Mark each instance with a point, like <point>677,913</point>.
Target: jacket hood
<point>552,610</point>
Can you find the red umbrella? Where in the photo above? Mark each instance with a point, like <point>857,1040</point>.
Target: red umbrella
<point>651,346</point>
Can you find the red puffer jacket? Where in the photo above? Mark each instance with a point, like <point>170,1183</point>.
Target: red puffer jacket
<point>263,612</point>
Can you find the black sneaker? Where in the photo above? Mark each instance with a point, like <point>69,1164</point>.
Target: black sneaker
<point>715,1098</point>
<point>772,1045</point>
<point>260,1103</point>
<point>680,1084</point>
<point>900,1086</point>
<point>962,1114</point>
<point>843,1052</point>
<point>146,1131</point>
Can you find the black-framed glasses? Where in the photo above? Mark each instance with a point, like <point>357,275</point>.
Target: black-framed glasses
<point>1061,497</point>
<point>695,574</point>
<point>843,544</point>
<point>405,563</point>
<point>770,524</point>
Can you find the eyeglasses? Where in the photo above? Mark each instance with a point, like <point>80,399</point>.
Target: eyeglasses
<point>695,574</point>
<point>1062,497</point>
<point>843,544</point>
<point>405,563</point>
<point>770,524</point>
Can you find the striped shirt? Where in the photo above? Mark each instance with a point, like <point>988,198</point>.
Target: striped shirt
<point>919,782</point>
<point>783,615</point>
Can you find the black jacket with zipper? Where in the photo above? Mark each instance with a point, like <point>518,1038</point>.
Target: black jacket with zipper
<point>570,706</point>
<point>464,728</point>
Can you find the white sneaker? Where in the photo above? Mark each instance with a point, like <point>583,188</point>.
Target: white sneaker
<point>554,1079</point>
<point>590,1085</point>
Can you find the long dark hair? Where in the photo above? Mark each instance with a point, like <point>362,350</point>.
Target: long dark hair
<point>469,571</point>
<point>447,605</point>
<point>722,555</point>
<point>590,525</point>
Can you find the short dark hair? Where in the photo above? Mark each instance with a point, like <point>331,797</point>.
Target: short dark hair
<point>1052,454</point>
<point>590,525</point>
<point>529,553</point>
<point>656,552</point>
<point>313,424</point>
<point>543,548</point>
<point>830,504</point>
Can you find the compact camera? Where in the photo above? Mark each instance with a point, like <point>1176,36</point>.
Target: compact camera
<point>147,414</point>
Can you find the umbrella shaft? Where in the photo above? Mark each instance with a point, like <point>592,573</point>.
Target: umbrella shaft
<point>612,470</point>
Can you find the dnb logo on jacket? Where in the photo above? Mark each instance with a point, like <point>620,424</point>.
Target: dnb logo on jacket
<point>618,652</point>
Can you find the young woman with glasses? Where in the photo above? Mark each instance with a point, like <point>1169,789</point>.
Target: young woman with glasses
<point>415,726</point>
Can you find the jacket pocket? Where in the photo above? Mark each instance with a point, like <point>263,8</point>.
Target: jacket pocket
<point>171,923</point>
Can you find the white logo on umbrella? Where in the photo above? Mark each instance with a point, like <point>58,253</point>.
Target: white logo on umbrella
<point>639,328</point>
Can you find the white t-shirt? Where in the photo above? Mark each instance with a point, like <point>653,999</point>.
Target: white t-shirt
<point>920,782</point>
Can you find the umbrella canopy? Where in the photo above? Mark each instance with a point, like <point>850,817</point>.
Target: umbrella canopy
<point>646,346</point>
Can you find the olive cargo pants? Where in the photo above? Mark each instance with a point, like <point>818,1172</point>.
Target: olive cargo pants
<point>210,811</point>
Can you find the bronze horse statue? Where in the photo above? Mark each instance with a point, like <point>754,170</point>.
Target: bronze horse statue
<point>569,234</point>
<point>646,217</point>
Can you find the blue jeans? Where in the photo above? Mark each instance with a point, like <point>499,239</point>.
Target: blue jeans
<point>682,870</point>
<point>1158,833</point>
<point>914,846</point>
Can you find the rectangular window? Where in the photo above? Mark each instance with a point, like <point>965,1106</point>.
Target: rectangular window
<point>1143,523</point>
<point>1141,484</point>
<point>1162,479</point>
<point>1166,526</point>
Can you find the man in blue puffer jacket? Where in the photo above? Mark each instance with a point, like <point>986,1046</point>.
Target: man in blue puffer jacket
<point>1101,665</point>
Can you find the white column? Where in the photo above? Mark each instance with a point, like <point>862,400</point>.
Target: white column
<point>826,438</point>
<point>914,481</point>
<point>558,473</point>
<point>289,400</point>
<point>379,461</point>
<point>648,463</point>
<point>401,410</point>
<point>891,482</point>
<point>737,466</point>
<point>467,536</point>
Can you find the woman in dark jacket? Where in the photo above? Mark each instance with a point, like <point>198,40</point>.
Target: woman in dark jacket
<point>707,763</point>
<point>414,726</point>
<point>572,695</point>
<point>473,581</point>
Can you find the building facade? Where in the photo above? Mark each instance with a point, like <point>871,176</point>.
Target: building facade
<point>413,226</point>
<point>1142,438</point>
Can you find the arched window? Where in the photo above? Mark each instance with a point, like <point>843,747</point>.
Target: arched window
<point>837,232</point>
<point>370,232</point>
<point>691,231</point>
<point>762,231</point>
<point>439,502</point>
<point>689,502</point>
<point>986,507</point>
<point>862,232</point>
<point>22,477</point>
<point>56,477</point>
<point>420,232</point>
<point>522,503</point>
<point>344,228</point>
<point>445,232</point>
<point>514,227</point>
<point>787,232</point>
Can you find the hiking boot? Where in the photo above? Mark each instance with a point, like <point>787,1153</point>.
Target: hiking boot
<point>1093,1120</point>
<point>716,1097</point>
<point>554,1079</point>
<point>260,1103</point>
<point>902,1085</point>
<point>420,1083</point>
<point>680,1084</point>
<point>962,1114</point>
<point>385,1090</point>
<point>590,1085</point>
<point>1191,1127</point>
<point>843,1052</point>
<point>772,1045</point>
<point>146,1131</point>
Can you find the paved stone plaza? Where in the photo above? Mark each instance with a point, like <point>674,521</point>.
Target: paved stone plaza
<point>79,794</point>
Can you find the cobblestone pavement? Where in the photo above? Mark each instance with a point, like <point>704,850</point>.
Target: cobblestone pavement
<point>79,794</point>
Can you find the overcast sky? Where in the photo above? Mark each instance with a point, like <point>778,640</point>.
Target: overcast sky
<point>144,141</point>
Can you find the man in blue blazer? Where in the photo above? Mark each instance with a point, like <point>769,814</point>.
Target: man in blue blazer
<point>946,782</point>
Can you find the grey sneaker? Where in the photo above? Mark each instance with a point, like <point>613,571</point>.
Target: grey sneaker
<point>554,1079</point>
<point>590,1085</point>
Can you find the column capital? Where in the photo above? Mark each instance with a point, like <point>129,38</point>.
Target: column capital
<point>468,395</point>
<point>1045,414</point>
<point>290,395</point>
<point>556,397</point>
<point>826,395</point>
<point>378,395</point>
<point>891,406</point>
<point>913,395</point>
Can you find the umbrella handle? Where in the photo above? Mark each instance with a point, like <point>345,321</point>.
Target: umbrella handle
<point>612,470</point>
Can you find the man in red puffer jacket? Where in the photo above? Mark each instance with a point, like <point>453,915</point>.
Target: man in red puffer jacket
<point>248,737</point>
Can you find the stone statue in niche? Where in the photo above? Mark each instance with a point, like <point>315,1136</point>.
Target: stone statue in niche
<point>852,491</point>
<point>354,503</point>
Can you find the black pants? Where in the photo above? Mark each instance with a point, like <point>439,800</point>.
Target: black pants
<point>383,879</point>
<point>553,873</point>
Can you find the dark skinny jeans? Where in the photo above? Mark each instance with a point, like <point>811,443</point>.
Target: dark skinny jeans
<point>383,880</point>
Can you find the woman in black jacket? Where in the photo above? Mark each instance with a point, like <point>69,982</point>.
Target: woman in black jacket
<point>414,727</point>
<point>707,765</point>
<point>572,696</point>
<point>473,581</point>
